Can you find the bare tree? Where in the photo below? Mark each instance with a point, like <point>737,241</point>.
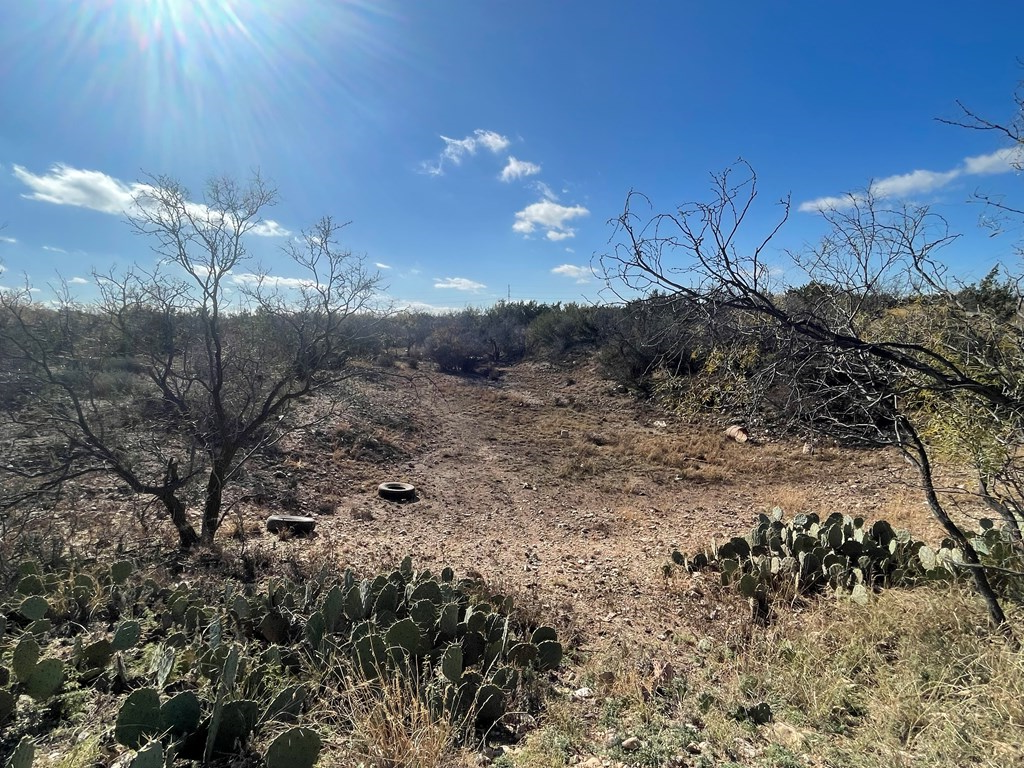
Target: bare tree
<point>1000,214</point>
<point>179,374</point>
<point>875,348</point>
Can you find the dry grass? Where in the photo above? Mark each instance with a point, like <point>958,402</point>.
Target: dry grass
<point>384,724</point>
<point>915,678</point>
<point>793,499</point>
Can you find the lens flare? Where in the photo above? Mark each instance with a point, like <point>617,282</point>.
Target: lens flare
<point>187,74</point>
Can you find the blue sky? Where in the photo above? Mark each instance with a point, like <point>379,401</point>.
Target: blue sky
<point>480,148</point>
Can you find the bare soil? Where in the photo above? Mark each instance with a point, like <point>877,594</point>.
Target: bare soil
<point>551,485</point>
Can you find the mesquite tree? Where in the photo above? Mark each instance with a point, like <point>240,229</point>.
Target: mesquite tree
<point>180,373</point>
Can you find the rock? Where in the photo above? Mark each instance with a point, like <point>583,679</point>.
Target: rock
<point>494,752</point>
<point>787,735</point>
<point>737,433</point>
<point>743,748</point>
<point>582,693</point>
<point>592,762</point>
<point>631,744</point>
<point>661,424</point>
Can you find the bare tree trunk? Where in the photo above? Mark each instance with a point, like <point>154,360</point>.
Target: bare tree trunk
<point>981,582</point>
<point>176,509</point>
<point>214,500</point>
<point>1003,510</point>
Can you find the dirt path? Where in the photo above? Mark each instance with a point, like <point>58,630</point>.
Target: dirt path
<point>554,487</point>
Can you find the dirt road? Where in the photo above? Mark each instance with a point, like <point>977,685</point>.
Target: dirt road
<point>553,486</point>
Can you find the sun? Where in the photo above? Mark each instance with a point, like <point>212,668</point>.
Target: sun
<point>185,22</point>
<point>225,83</point>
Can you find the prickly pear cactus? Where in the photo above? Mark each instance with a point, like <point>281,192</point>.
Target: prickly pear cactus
<point>24,754</point>
<point>809,555</point>
<point>295,748</point>
<point>138,721</point>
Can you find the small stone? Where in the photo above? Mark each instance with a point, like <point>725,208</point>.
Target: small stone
<point>787,735</point>
<point>592,762</point>
<point>582,693</point>
<point>744,748</point>
<point>631,744</point>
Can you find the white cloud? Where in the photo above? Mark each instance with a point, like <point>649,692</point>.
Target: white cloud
<point>270,228</point>
<point>456,149</point>
<point>78,281</point>
<point>54,249</point>
<point>580,274</point>
<point>1000,161</point>
<point>63,185</point>
<point>922,181</point>
<point>97,191</point>
<point>458,284</point>
<point>380,265</point>
<point>913,183</point>
<point>11,240</point>
<point>517,169</point>
<point>271,281</point>
<point>829,203</point>
<point>404,305</point>
<point>549,216</point>
<point>545,191</point>
<point>493,141</point>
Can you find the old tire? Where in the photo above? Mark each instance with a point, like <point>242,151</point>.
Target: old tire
<point>294,523</point>
<point>396,491</point>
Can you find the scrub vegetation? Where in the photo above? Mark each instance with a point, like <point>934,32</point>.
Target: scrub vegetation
<point>591,571</point>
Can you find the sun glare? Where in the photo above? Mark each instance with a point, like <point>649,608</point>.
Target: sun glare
<point>190,70</point>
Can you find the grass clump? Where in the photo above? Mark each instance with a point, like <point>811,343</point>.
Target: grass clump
<point>387,725</point>
<point>913,678</point>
